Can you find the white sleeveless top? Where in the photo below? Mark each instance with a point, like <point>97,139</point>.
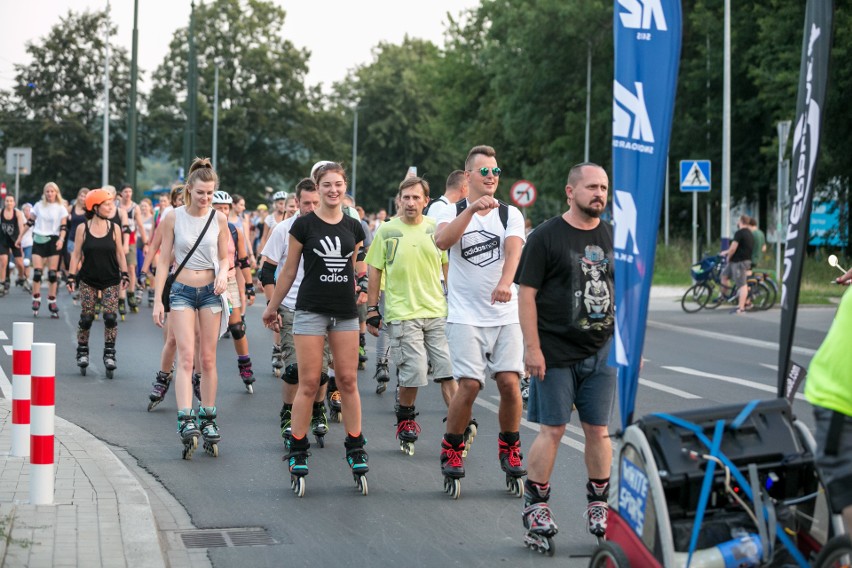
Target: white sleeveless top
<point>187,229</point>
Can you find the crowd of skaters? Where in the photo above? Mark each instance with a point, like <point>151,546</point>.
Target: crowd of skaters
<point>457,302</point>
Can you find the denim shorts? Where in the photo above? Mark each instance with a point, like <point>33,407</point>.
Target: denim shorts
<point>312,323</point>
<point>588,384</point>
<point>182,297</point>
<point>835,463</point>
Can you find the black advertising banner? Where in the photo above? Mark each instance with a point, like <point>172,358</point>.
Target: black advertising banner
<point>810,110</point>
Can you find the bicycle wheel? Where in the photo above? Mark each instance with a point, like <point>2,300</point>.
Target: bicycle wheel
<point>759,296</point>
<point>696,297</point>
<point>773,292</point>
<point>721,297</point>
<point>836,553</point>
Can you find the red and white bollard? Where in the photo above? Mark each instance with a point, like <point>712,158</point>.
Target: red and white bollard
<point>22,341</point>
<point>41,428</point>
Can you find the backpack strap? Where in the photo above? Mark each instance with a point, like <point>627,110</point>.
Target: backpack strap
<point>503,211</point>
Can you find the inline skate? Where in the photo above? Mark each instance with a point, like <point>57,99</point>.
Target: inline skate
<point>297,463</point>
<point>362,352</point>
<point>469,435</point>
<point>150,296</point>
<point>132,302</point>
<point>357,459</point>
<point>188,431</point>
<point>382,375</point>
<point>407,429</point>
<point>3,289</point>
<point>538,519</point>
<point>161,383</point>
<point>286,415</point>
<point>277,359</point>
<point>36,304</point>
<point>82,358</point>
<point>525,391</point>
<point>209,429</point>
<point>335,403</point>
<point>246,374</point>
<point>597,509</point>
<point>196,386</point>
<point>452,466</point>
<point>109,359</point>
<point>52,307</point>
<point>319,423</point>
<point>509,453</point>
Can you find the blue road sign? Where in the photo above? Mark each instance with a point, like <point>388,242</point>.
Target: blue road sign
<point>695,175</point>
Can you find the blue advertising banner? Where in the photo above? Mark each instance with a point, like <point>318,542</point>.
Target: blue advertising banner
<point>647,57</point>
<point>826,227</point>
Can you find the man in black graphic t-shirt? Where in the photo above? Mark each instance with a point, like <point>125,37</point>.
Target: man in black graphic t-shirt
<point>565,304</point>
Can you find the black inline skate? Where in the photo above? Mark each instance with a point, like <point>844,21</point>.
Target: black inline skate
<point>36,304</point>
<point>133,302</point>
<point>196,386</point>
<point>357,459</point>
<point>469,435</point>
<point>509,453</point>
<point>362,352</point>
<point>161,383</point>
<point>3,289</point>
<point>538,519</point>
<point>188,431</point>
<point>452,465</point>
<point>297,463</point>
<point>335,403</point>
<point>209,429</point>
<point>382,375</point>
<point>277,359</point>
<point>407,429</point>
<point>525,391</point>
<point>82,358</point>
<point>319,423</point>
<point>286,415</point>
<point>150,296</point>
<point>122,308</point>
<point>109,359</point>
<point>246,374</point>
<point>52,307</point>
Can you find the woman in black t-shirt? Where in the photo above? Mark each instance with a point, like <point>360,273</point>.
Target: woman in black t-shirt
<point>99,255</point>
<point>329,242</point>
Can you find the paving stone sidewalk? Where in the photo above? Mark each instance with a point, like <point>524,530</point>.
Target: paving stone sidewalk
<point>101,514</point>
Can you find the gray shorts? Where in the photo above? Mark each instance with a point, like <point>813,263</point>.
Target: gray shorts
<point>288,348</point>
<point>738,272</point>
<point>416,343</point>
<point>835,464</point>
<point>589,385</point>
<point>311,323</point>
<point>482,352</point>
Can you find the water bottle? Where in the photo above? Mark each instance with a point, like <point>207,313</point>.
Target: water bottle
<point>743,551</point>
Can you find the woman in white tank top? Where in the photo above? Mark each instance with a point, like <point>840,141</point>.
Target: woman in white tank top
<point>196,298</point>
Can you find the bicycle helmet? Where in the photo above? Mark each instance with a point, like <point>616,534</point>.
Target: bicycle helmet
<point>222,197</point>
<point>97,197</point>
<point>279,195</point>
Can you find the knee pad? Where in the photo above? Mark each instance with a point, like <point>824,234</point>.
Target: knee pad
<point>51,276</point>
<point>291,374</point>
<point>238,330</point>
<point>37,274</point>
<point>267,274</point>
<point>86,321</point>
<point>110,320</point>
<point>323,378</point>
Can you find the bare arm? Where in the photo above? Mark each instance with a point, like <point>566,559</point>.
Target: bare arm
<point>448,234</point>
<point>503,291</point>
<point>221,281</point>
<point>74,263</point>
<point>285,280</point>
<point>528,314</point>
<point>166,230</point>
<point>119,254</point>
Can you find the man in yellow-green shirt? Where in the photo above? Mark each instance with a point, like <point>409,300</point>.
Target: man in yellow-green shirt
<point>829,388</point>
<point>404,251</point>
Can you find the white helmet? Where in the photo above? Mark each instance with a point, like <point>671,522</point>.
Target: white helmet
<point>279,195</point>
<point>220,197</point>
<point>317,166</point>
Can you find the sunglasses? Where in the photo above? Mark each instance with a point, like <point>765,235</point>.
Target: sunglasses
<point>484,172</point>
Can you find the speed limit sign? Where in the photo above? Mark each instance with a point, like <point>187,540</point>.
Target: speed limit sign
<point>523,193</point>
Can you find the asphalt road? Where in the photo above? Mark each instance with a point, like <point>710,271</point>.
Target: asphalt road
<point>692,361</point>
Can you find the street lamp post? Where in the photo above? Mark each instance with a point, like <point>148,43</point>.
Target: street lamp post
<point>215,111</point>
<point>726,130</point>
<point>354,153</point>
<point>105,156</point>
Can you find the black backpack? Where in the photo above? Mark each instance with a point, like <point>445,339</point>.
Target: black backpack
<point>431,201</point>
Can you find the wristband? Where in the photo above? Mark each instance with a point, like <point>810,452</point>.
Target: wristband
<point>125,277</point>
<point>362,282</point>
<point>250,290</point>
<point>372,309</point>
<point>71,279</point>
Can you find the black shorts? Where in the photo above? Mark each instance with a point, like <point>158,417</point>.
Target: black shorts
<point>47,249</point>
<point>7,248</point>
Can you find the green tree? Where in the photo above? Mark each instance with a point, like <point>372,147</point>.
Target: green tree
<point>56,106</point>
<point>264,106</point>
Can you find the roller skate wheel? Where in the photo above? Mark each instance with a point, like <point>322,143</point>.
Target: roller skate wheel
<point>250,389</point>
<point>277,372</point>
<point>362,366</point>
<point>453,487</point>
<point>152,405</point>
<point>212,449</point>
<point>407,448</point>
<point>361,482</point>
<point>381,387</point>
<point>189,446</point>
<point>83,371</point>
<point>320,441</point>
<point>109,373</point>
<point>515,486</point>
<point>539,543</point>
<point>298,485</point>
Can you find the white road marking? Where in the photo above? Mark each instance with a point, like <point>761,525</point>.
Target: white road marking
<point>533,426</point>
<point>729,338</point>
<point>5,385</point>
<point>8,350</point>
<point>732,380</point>
<point>668,389</point>
<point>3,335</point>
<point>768,366</point>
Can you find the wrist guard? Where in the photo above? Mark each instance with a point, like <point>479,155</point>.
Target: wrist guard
<point>362,282</point>
<point>376,320</point>
<point>125,278</point>
<point>250,290</point>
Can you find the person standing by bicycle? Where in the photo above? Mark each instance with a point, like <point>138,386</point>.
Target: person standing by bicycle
<point>739,263</point>
<point>827,389</point>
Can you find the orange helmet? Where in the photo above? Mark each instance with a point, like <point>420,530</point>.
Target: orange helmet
<point>96,197</point>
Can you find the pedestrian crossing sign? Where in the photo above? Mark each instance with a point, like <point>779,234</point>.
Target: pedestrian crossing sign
<point>695,175</point>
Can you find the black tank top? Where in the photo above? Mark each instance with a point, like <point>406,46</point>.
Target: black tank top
<point>9,227</point>
<point>73,222</point>
<point>100,265</point>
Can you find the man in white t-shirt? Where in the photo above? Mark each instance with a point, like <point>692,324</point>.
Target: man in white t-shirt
<point>274,255</point>
<point>485,238</point>
<point>456,190</point>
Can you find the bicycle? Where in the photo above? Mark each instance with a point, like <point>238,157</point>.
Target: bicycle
<point>707,275</point>
<point>836,553</point>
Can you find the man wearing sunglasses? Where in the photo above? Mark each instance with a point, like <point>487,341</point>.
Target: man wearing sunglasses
<point>485,238</point>
<point>565,303</point>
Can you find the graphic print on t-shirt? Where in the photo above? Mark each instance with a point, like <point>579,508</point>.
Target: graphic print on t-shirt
<point>595,292</point>
<point>335,262</point>
<point>480,247</point>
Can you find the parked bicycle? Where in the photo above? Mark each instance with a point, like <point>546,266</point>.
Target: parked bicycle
<point>709,292</point>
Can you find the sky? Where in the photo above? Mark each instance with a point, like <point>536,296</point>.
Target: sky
<point>340,34</point>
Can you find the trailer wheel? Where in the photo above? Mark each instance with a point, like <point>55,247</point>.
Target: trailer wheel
<point>609,555</point>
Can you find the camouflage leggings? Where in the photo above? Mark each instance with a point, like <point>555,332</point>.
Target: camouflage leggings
<point>109,301</point>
